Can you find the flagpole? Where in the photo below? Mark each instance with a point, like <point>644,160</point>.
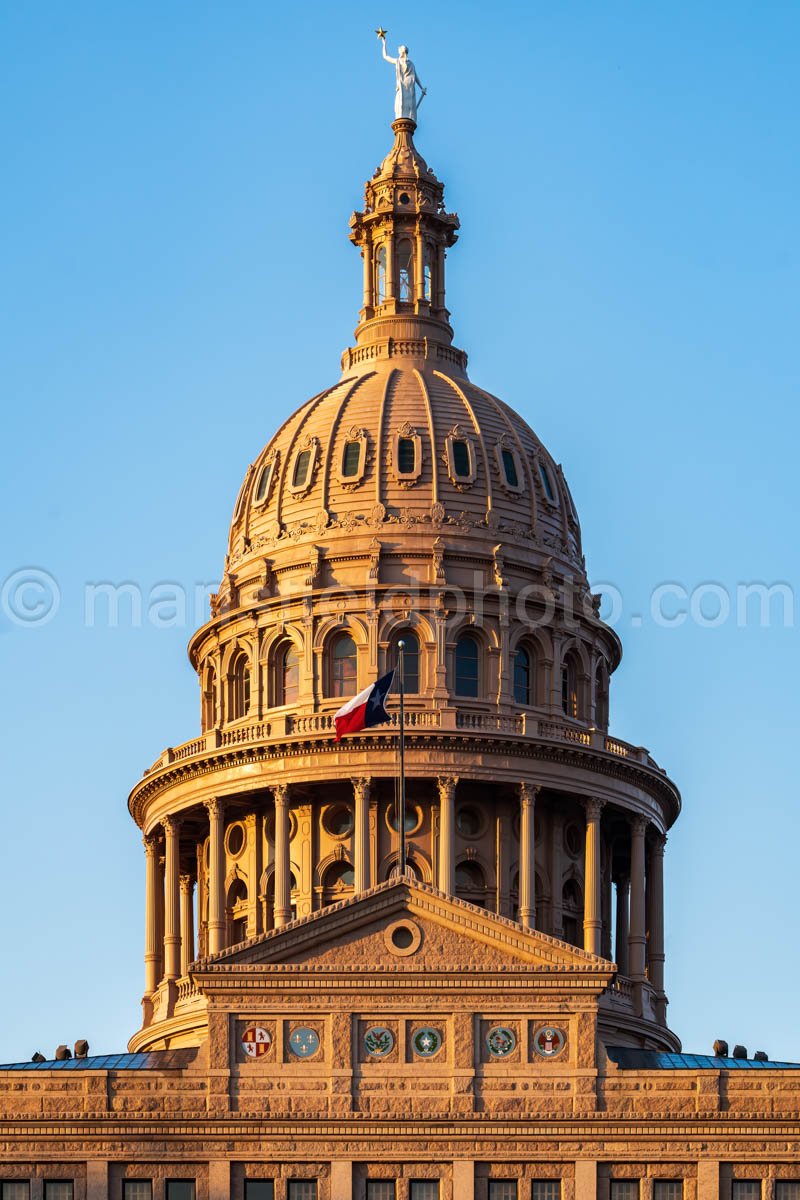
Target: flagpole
<point>402,807</point>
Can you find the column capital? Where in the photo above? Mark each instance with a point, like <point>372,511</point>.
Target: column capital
<point>151,843</point>
<point>280,794</point>
<point>362,788</point>
<point>659,843</point>
<point>186,884</point>
<point>593,808</point>
<point>639,826</point>
<point>447,785</point>
<point>215,807</point>
<point>171,826</point>
<point>528,792</point>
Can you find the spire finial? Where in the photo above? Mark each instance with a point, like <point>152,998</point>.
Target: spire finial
<point>405,96</point>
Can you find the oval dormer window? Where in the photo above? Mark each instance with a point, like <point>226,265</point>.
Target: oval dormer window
<point>351,460</point>
<point>406,455</point>
<point>510,469</point>
<point>264,481</point>
<point>547,483</point>
<point>301,469</point>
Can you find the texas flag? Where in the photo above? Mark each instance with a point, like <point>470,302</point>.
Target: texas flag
<point>366,709</point>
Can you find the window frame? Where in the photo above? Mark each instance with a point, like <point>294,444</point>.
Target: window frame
<point>311,446</point>
<point>381,274</point>
<point>530,691</point>
<point>286,647</point>
<point>406,635</point>
<point>268,471</point>
<point>549,487</point>
<point>502,448</point>
<point>240,687</point>
<point>331,659</point>
<point>459,435</point>
<point>406,266</point>
<point>406,478</point>
<point>352,437</point>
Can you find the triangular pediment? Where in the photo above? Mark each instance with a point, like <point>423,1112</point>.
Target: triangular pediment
<point>405,925</point>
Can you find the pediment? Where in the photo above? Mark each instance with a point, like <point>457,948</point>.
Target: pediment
<point>439,934</point>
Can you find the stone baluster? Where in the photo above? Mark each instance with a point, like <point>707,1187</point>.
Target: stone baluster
<point>592,921</point>
<point>361,793</point>
<point>216,877</point>
<point>527,855</point>
<point>172,902</point>
<point>283,904</point>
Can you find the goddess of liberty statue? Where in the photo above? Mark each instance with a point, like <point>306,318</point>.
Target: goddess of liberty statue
<point>405,97</point>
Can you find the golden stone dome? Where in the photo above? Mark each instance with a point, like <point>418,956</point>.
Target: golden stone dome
<point>405,440</point>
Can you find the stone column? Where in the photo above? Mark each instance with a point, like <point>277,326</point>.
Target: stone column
<point>656,931</point>
<point>172,900</point>
<point>369,272</point>
<point>592,922</point>
<point>187,922</point>
<point>527,855</point>
<point>447,845</point>
<point>637,938</point>
<point>361,793</point>
<point>621,935</point>
<point>283,902</point>
<point>152,951</point>
<point>216,878</point>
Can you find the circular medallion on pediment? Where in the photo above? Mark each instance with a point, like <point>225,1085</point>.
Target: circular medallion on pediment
<point>304,1042</point>
<point>549,1041</point>
<point>500,1041</point>
<point>379,1041</point>
<point>427,1042</point>
<point>403,937</point>
<point>256,1041</point>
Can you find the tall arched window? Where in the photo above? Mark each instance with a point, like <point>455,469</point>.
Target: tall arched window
<point>601,696</point>
<point>210,700</point>
<point>411,679</point>
<point>287,664</point>
<point>380,275</point>
<point>427,281</point>
<point>237,911</point>
<point>405,270</point>
<point>239,687</point>
<point>471,883</point>
<point>572,909</point>
<point>524,676</point>
<point>337,882</point>
<point>343,666</point>
<point>467,667</point>
<point>569,686</point>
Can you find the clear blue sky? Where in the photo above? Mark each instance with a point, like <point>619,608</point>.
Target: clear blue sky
<point>176,278</point>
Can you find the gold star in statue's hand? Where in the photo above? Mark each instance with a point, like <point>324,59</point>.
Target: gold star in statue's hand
<point>381,32</point>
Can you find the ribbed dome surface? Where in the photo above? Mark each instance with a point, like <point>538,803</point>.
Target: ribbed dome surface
<point>402,442</point>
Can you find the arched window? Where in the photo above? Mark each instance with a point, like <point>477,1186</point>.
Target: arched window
<point>547,483</point>
<point>524,676</point>
<point>405,270</point>
<point>601,696</point>
<point>427,279</point>
<point>343,668</point>
<point>467,667</point>
<point>264,481</point>
<point>406,456</point>
<point>569,686</point>
<point>572,910</point>
<point>337,882</point>
<point>380,275</point>
<point>410,660</point>
<point>237,916</point>
<point>239,687</point>
<point>302,465</point>
<point>471,883</point>
<point>210,700</point>
<point>287,663</point>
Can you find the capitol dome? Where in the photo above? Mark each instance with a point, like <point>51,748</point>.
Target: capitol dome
<point>405,503</point>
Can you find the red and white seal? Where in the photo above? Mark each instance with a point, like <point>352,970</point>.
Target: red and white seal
<point>256,1041</point>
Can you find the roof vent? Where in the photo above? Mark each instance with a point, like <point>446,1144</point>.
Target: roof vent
<point>721,1048</point>
<point>761,1056</point>
<point>62,1053</point>
<point>37,1057</point>
<point>740,1051</point>
<point>81,1048</point>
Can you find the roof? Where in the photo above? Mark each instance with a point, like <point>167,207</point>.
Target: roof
<point>631,1059</point>
<point>153,1060</point>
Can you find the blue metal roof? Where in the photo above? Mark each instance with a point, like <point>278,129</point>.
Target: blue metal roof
<point>631,1059</point>
<point>153,1060</point>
